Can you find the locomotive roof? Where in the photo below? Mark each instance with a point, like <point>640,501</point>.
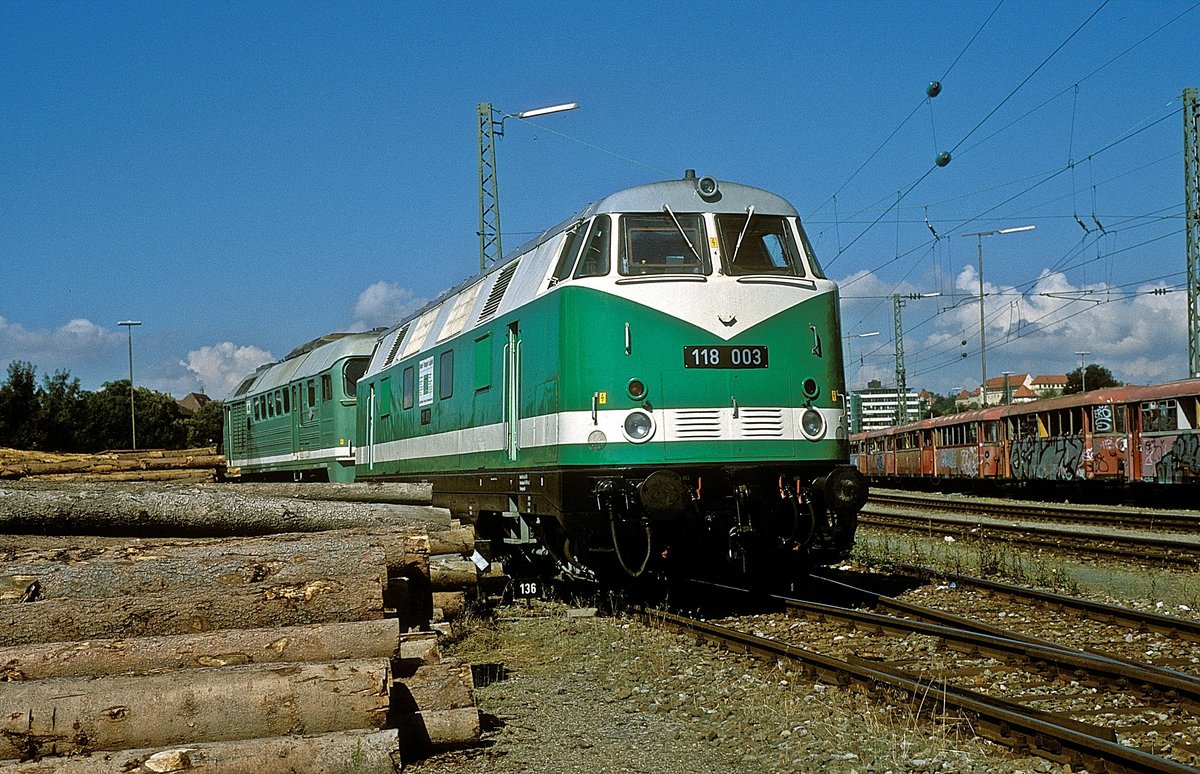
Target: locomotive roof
<point>680,195</point>
<point>308,360</point>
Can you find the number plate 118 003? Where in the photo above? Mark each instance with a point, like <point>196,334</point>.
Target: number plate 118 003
<point>724,356</point>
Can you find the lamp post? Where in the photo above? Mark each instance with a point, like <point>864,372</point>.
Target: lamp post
<point>1082,371</point>
<point>860,336</point>
<point>856,419</point>
<point>491,126</point>
<point>132,420</point>
<point>979,235</point>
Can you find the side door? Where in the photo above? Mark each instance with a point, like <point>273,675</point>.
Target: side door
<point>512,392</point>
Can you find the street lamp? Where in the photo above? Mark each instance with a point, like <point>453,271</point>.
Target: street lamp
<point>1082,371</point>
<point>849,405</point>
<point>982,344</point>
<point>491,126</point>
<point>859,336</point>
<point>132,420</point>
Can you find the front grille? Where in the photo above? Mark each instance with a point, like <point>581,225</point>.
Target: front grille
<point>761,422</point>
<point>697,424</point>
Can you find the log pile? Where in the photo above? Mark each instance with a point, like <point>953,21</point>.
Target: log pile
<point>180,465</point>
<point>302,650</point>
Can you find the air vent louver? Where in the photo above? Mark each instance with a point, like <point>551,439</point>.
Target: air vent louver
<point>498,290</point>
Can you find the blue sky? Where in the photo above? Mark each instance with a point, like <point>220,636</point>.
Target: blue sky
<point>244,177</point>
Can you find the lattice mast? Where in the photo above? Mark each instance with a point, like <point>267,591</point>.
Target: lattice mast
<point>1191,164</point>
<point>901,379</point>
<point>489,197</point>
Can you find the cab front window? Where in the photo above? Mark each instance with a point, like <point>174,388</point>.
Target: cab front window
<point>758,244</point>
<point>663,244</point>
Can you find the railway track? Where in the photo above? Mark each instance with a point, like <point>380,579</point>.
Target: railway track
<point>1081,620</point>
<point>1074,707</point>
<point>946,518</point>
<point>1111,516</point>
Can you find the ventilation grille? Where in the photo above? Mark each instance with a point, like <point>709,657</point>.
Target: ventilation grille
<point>698,424</point>
<point>395,346</point>
<point>761,422</point>
<point>497,295</point>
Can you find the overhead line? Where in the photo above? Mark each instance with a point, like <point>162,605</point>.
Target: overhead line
<point>912,113</point>
<point>1030,76</point>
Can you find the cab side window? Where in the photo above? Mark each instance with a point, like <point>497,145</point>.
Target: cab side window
<point>593,261</point>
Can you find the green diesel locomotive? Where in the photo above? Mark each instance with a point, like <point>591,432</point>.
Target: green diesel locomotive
<point>653,386</point>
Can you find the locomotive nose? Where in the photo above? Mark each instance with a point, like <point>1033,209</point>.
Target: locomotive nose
<point>845,489</point>
<point>662,494</point>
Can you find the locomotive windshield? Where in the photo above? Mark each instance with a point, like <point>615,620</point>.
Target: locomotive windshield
<point>669,243</point>
<point>758,244</point>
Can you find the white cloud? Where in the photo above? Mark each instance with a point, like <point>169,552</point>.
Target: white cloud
<point>1139,336</point>
<point>79,341</point>
<point>222,366</point>
<point>383,305</point>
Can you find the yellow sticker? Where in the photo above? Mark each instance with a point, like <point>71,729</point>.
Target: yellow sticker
<point>712,242</point>
<point>603,398</point>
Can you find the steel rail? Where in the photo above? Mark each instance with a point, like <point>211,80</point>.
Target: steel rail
<point>1120,517</point>
<point>1044,734</point>
<point>1171,626</point>
<point>1004,646</point>
<point>1178,551</point>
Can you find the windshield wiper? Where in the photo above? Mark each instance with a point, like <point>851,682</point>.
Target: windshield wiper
<point>741,236</point>
<point>682,233</point>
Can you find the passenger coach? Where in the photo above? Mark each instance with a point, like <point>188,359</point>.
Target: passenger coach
<point>1130,435</point>
<point>295,419</point>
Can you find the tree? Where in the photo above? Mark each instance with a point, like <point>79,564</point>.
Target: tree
<point>19,407</point>
<point>108,424</point>
<point>1097,376</point>
<point>60,412</point>
<point>204,427</point>
<point>942,405</point>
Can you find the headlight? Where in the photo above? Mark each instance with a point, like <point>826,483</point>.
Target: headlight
<point>812,424</point>
<point>639,426</point>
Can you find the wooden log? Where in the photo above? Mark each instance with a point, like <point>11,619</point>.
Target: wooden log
<point>322,600</point>
<point>394,493</point>
<point>180,511</point>
<point>459,540</point>
<point>417,648</point>
<point>448,605</point>
<point>450,572</point>
<point>18,464</point>
<point>127,464</point>
<point>182,476</point>
<point>339,752</point>
<point>118,569</point>
<point>161,453</point>
<point>183,568</point>
<point>115,570</point>
<point>73,716</point>
<point>436,730</point>
<point>421,687</point>
<point>137,655</point>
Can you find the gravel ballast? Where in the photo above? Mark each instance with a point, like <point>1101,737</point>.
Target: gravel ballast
<point>599,693</point>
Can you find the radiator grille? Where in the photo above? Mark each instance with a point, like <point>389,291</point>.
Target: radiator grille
<point>761,422</point>
<point>698,424</point>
